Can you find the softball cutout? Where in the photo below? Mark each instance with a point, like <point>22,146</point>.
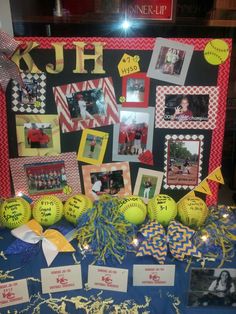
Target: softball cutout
<point>48,210</point>
<point>162,208</point>
<point>14,212</point>
<point>192,211</point>
<point>216,51</point>
<point>76,206</point>
<point>133,209</point>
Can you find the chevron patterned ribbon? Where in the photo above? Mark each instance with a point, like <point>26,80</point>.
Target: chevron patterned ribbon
<point>177,238</point>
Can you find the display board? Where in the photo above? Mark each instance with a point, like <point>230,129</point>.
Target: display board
<point>159,103</point>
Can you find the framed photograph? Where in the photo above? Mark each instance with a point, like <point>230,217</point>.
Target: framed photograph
<point>37,135</point>
<point>32,97</point>
<point>212,287</point>
<point>134,134</point>
<point>183,160</point>
<point>148,183</point>
<point>170,61</point>
<point>86,104</point>
<point>37,176</point>
<point>112,178</point>
<point>135,90</point>
<point>186,107</point>
<point>92,146</point>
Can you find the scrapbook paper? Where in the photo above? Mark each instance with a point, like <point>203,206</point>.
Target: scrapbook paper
<point>108,278</point>
<point>92,146</point>
<point>186,107</point>
<point>170,61</point>
<point>38,135</point>
<point>37,176</point>
<point>111,178</point>
<point>32,97</point>
<point>153,275</point>
<point>183,161</point>
<point>128,65</point>
<point>87,104</point>
<point>13,293</point>
<point>63,278</point>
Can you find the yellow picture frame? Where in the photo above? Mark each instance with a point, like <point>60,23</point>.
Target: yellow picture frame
<point>92,146</point>
<point>49,124</point>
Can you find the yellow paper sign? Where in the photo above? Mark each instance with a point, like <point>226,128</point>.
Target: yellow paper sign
<point>128,65</point>
<point>203,187</point>
<point>216,176</point>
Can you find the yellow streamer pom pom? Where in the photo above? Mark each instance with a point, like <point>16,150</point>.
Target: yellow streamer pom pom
<point>76,206</point>
<point>133,209</point>
<point>162,208</point>
<point>14,212</point>
<point>192,211</point>
<point>48,210</point>
<point>216,51</point>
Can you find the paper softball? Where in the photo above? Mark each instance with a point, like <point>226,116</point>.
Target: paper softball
<point>48,210</point>
<point>14,212</point>
<point>104,232</point>
<point>178,239</point>
<point>162,208</point>
<point>30,235</point>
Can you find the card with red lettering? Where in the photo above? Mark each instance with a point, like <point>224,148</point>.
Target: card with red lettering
<point>108,278</point>
<point>64,278</point>
<point>154,275</point>
<point>13,292</point>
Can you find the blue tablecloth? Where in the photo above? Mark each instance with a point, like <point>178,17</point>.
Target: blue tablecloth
<point>161,300</point>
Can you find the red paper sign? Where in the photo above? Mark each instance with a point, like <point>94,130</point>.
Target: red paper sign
<point>146,158</point>
<point>152,9</point>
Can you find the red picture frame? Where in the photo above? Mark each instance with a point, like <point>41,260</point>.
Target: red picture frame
<point>136,87</point>
<point>137,43</point>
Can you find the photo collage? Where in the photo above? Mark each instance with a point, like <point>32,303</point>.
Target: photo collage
<point>90,107</point>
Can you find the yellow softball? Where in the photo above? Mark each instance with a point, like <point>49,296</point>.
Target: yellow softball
<point>48,210</point>
<point>133,209</point>
<point>216,51</point>
<point>192,211</point>
<point>162,208</point>
<point>75,206</point>
<point>14,212</point>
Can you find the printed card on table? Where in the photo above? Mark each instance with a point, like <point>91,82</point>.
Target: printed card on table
<point>63,278</point>
<point>13,292</point>
<point>108,278</point>
<point>153,275</point>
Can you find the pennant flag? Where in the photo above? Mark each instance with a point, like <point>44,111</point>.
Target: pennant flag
<point>216,176</point>
<point>203,187</point>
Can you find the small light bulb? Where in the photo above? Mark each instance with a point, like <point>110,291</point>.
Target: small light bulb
<point>20,194</point>
<point>126,25</point>
<point>204,238</point>
<point>135,242</point>
<point>225,215</point>
<point>86,247</point>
